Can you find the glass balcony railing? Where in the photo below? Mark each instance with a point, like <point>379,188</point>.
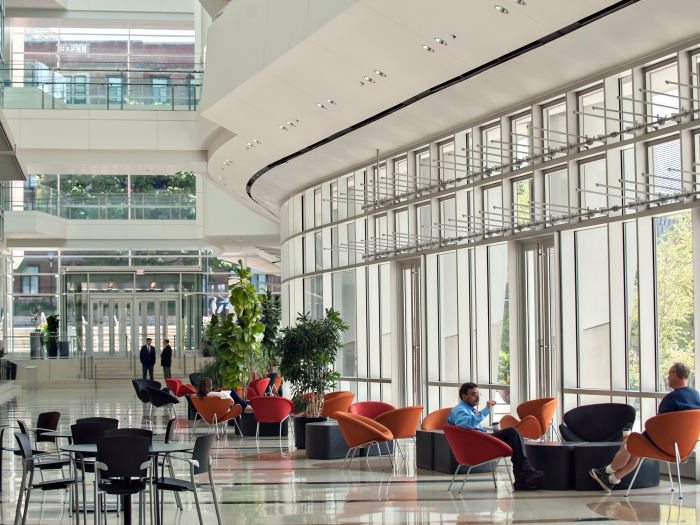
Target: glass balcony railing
<point>103,206</point>
<point>33,85</point>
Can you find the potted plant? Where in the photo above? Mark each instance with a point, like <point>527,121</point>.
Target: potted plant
<point>209,335</point>
<point>51,340</point>
<point>307,353</point>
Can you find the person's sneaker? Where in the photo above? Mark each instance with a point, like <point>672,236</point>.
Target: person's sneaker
<point>248,410</point>
<point>603,478</point>
<point>531,474</point>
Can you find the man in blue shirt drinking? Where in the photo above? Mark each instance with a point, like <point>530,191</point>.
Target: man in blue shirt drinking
<point>682,397</point>
<point>465,415</point>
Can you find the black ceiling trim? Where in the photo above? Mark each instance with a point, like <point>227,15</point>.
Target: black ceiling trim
<point>461,78</point>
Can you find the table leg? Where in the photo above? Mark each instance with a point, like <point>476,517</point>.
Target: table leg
<point>127,508</point>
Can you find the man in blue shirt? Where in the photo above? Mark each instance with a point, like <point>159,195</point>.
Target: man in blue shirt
<point>465,415</point>
<point>682,397</point>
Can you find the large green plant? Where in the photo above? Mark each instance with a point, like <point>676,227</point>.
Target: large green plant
<point>240,332</point>
<point>271,317</point>
<point>51,340</point>
<point>308,351</point>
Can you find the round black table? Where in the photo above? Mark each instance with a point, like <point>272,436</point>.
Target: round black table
<point>154,449</point>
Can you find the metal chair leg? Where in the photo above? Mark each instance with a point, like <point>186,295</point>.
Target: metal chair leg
<point>465,479</point>
<point>493,475</point>
<point>678,470</point>
<point>213,493</point>
<point>453,477</point>
<point>196,500</point>
<point>635,477</point>
<point>670,475</point>
<point>379,449</point>
<point>21,493</point>
<point>172,475</point>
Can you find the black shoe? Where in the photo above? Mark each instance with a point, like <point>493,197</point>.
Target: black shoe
<point>602,477</point>
<point>531,473</point>
<point>522,484</point>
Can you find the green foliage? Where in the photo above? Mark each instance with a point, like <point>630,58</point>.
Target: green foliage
<point>51,338</point>
<point>271,317</point>
<point>504,351</point>
<point>237,337</point>
<point>210,369</point>
<point>674,294</point>
<point>308,352</point>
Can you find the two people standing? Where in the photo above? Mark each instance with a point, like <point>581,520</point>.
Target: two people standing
<point>148,358</point>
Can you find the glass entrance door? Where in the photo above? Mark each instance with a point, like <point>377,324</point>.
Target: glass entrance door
<point>110,326</point>
<point>540,335</point>
<point>157,319</point>
<point>411,317</point>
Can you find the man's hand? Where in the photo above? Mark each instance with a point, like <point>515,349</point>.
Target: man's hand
<point>490,404</point>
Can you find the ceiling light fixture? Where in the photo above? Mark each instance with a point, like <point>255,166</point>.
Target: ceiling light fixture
<point>454,37</point>
<point>521,2</point>
<point>428,48</point>
<point>369,80</point>
<point>362,84</point>
<point>379,73</point>
<point>249,144</point>
<point>440,41</point>
<point>321,106</point>
<point>285,129</point>
<point>153,285</point>
<point>331,102</point>
<point>257,142</point>
<point>501,9</point>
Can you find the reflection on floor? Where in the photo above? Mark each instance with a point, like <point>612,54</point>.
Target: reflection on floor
<point>269,483</point>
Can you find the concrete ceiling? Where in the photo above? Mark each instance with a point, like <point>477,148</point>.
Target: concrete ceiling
<point>388,35</point>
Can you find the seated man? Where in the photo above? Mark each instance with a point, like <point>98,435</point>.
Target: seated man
<point>466,416</point>
<point>682,397</point>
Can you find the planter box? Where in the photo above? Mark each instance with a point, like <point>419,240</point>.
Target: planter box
<point>36,345</point>
<point>64,349</point>
<point>300,423</point>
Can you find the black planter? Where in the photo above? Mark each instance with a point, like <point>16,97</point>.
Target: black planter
<point>10,371</point>
<point>300,423</point>
<point>64,348</point>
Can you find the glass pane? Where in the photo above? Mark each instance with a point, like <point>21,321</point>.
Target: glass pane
<point>593,182</point>
<point>593,311</point>
<point>665,165</point>
<point>313,296</point>
<point>522,197</point>
<point>663,97</point>
<point>557,193</point>
<point>447,162</point>
<point>674,294</point>
<point>522,133</point>
<point>385,319</point>
<point>493,204</point>
<point>491,148</point>
<point>555,127</point>
<point>499,314</point>
<point>592,122</point>
<point>344,302</point>
<point>448,218</point>
<point>632,305</point>
<point>449,339</point>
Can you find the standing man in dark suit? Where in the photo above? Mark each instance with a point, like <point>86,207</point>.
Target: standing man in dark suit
<point>166,358</point>
<point>148,358</point>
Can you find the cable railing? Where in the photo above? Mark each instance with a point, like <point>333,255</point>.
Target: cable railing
<point>33,85</point>
<point>103,206</point>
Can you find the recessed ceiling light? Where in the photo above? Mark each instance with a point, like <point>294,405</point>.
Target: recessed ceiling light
<point>249,144</point>
<point>369,80</point>
<point>440,41</point>
<point>330,101</point>
<point>282,127</point>
<point>428,48</point>
<point>521,2</point>
<point>257,142</point>
<point>501,9</point>
<point>321,106</point>
<point>379,73</point>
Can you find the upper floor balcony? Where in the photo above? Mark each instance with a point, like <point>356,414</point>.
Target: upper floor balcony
<point>31,84</point>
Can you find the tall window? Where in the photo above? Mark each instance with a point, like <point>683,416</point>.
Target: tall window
<point>626,104</point>
<point>631,305</point>
<point>674,294</point>
<point>554,117</point>
<point>318,209</point>
<point>334,201</point>
<point>556,192</point>
<point>449,329</point>
<point>380,233</point>
<point>523,210</point>
<point>593,308</point>
<point>318,251</point>
<point>665,165</point>
<point>344,294</point>
<point>423,168</point>
<point>593,181</point>
<point>424,227</point>
<point>629,177</point>
<point>401,176</point>
<point>447,161</point>
<point>522,134</point>
<point>499,314</point>
<point>313,296</point>
<point>591,104</point>
<point>401,228</point>
<point>493,204</point>
<point>30,283</point>
<point>448,218</point>
<point>351,243</point>
<point>491,147</point>
<point>352,197</point>
<point>662,90</point>
<point>335,252</point>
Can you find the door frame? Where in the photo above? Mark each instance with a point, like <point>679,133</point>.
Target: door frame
<point>418,333</point>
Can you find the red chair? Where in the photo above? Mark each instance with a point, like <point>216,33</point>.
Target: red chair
<point>370,409</point>
<point>473,448</point>
<point>259,386</point>
<point>178,389</point>
<point>271,409</point>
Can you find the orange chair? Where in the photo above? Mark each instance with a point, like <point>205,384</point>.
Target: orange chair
<point>336,402</point>
<point>362,432</point>
<point>214,411</point>
<point>672,437</point>
<point>402,423</point>
<point>370,409</point>
<point>436,419</point>
<point>535,417</point>
<point>276,387</point>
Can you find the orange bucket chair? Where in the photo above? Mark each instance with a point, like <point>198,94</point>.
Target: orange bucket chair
<point>336,402</point>
<point>672,437</point>
<point>402,423</point>
<point>535,417</point>
<point>215,411</point>
<point>436,419</point>
<point>276,386</point>
<point>362,432</point>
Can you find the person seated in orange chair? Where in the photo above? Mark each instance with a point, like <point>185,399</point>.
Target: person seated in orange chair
<point>204,389</point>
<point>682,397</point>
<point>465,415</point>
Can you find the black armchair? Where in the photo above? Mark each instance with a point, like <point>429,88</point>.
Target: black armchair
<point>597,423</point>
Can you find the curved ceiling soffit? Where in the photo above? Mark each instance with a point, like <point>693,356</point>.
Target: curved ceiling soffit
<point>440,87</point>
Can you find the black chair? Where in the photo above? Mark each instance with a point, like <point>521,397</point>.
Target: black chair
<point>602,422</point>
<point>109,420</point>
<point>29,464</point>
<point>199,463</point>
<point>161,399</point>
<point>46,422</point>
<point>143,396</point>
<point>88,434</point>
<point>194,379</point>
<point>139,432</point>
<point>122,469</point>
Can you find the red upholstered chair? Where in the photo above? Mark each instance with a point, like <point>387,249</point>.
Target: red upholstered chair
<point>473,448</point>
<point>271,409</point>
<point>178,388</point>
<point>259,385</point>
<point>370,409</point>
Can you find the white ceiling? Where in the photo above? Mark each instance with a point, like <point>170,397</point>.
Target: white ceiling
<point>387,35</point>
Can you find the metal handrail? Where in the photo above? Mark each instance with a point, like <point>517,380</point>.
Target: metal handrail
<point>32,373</point>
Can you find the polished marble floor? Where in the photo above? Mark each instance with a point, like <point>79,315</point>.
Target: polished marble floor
<point>265,483</point>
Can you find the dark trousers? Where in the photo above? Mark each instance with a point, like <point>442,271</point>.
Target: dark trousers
<point>513,438</point>
<point>149,369</point>
<point>166,372</point>
<point>238,399</point>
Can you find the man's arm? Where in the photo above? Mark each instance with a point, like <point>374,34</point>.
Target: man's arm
<point>467,419</point>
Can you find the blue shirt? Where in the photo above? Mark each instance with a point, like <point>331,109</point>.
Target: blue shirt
<point>467,417</point>
<point>685,398</point>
